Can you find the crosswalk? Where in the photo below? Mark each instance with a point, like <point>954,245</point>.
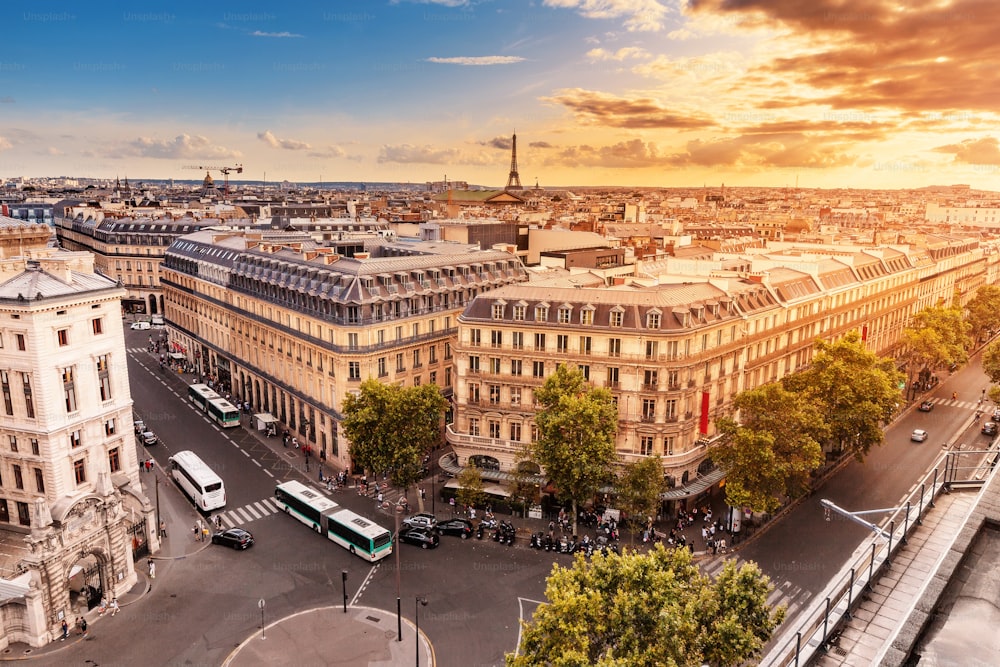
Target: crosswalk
<point>249,513</point>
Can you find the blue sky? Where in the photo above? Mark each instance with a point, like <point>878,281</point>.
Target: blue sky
<point>616,92</point>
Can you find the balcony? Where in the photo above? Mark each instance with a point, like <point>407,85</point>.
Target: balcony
<point>650,387</point>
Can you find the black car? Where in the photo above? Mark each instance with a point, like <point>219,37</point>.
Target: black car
<point>990,428</point>
<point>926,406</point>
<point>461,527</point>
<point>236,538</point>
<point>422,537</point>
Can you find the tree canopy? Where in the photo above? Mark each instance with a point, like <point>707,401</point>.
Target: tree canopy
<point>652,609</point>
<point>770,454</point>
<point>470,487</point>
<point>391,428</point>
<point>638,487</point>
<point>937,337</point>
<point>855,390</point>
<point>984,311</point>
<point>577,423</point>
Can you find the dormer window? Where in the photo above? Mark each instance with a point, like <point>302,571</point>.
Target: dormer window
<point>565,315</point>
<point>653,320</point>
<point>616,317</point>
<point>498,310</point>
<point>587,315</point>
<point>541,313</point>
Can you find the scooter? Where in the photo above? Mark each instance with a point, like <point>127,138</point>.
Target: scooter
<point>479,531</point>
<point>549,543</point>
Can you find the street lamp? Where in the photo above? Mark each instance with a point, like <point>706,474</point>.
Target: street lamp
<point>399,608</point>
<point>260,603</point>
<point>419,602</point>
<point>343,578</point>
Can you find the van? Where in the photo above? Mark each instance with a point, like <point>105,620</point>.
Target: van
<point>141,325</point>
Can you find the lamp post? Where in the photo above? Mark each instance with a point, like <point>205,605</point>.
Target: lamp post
<point>260,603</point>
<point>420,601</point>
<point>399,609</point>
<point>343,579</point>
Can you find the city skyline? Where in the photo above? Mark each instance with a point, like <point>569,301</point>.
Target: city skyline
<point>600,92</point>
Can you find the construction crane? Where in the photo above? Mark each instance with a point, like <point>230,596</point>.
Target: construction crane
<point>225,171</point>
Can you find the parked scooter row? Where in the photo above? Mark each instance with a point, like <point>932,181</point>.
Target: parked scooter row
<point>570,545</point>
<point>504,533</point>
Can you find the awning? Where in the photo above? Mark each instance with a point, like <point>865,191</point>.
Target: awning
<point>176,356</point>
<point>262,419</point>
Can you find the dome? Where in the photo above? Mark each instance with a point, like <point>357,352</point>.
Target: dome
<point>208,181</point>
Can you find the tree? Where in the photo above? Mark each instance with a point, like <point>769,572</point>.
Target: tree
<point>991,362</point>
<point>652,609</point>
<point>937,337</point>
<point>855,390</point>
<point>984,311</point>
<point>391,428</point>
<point>522,487</point>
<point>638,488</point>
<point>470,487</point>
<point>772,451</point>
<point>577,423</point>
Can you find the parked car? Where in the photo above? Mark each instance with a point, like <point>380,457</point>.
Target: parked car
<point>143,325</point>
<point>461,527</point>
<point>926,406</point>
<point>990,428</point>
<point>996,415</point>
<point>918,435</point>
<point>149,438</point>
<point>237,538</point>
<point>421,520</point>
<point>422,537</point>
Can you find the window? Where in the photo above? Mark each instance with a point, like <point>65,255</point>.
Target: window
<point>498,309</point>
<point>515,431</point>
<point>671,409</point>
<point>474,364</point>
<point>515,396</point>
<point>587,316</point>
<point>23,513</point>
<point>400,364</point>
<point>34,446</point>
<point>8,402</point>
<point>354,370</point>
<point>12,439</point>
<point>18,478</point>
<point>586,372</point>
<point>562,343</point>
<point>29,401</point>
<point>381,367</point>
<point>80,471</point>
<point>474,393</point>
<point>653,321</point>
<point>62,335</point>
<point>651,348</point>
<point>515,366</point>
<point>416,359</point>
<point>447,376</point>
<point>432,354</point>
<point>668,445</point>
<point>69,389</point>
<point>74,439</point>
<point>494,394</point>
<point>352,341</point>
<point>473,425</point>
<point>565,315</point>
<point>613,377</point>
<point>541,314</point>
<point>496,338</point>
<point>494,428</point>
<point>39,480</point>
<point>539,341</point>
<point>97,325</point>
<point>616,318</point>
<point>648,409</point>
<point>538,369</point>
<point>104,377</point>
<point>495,365</point>
<point>475,336</point>
<point>20,342</point>
<point>519,313</point>
<point>614,347</point>
<point>447,350</point>
<point>650,380</point>
<point>517,340</point>
<point>646,445</point>
<point>110,427</point>
<point>585,344</point>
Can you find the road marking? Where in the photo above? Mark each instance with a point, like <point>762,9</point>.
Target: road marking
<point>245,453</point>
<point>251,511</point>
<point>364,584</point>
<point>520,611</point>
<point>258,463</point>
<point>268,473</point>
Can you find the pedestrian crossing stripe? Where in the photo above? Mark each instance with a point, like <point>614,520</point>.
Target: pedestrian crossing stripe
<point>249,513</point>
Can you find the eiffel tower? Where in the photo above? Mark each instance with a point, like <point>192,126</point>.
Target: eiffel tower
<point>513,181</point>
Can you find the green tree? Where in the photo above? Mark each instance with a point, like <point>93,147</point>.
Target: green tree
<point>856,391</point>
<point>392,428</point>
<point>984,311</point>
<point>648,610</point>
<point>991,361</point>
<point>522,486</point>
<point>470,487</point>
<point>638,487</point>
<point>771,452</point>
<point>937,337</point>
<point>577,423</point>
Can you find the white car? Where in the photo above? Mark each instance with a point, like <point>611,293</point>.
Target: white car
<point>422,520</point>
<point>918,435</point>
<point>140,325</point>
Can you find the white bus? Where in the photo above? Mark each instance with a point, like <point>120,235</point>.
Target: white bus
<point>201,394</point>
<point>355,533</point>
<point>223,413</point>
<point>198,481</point>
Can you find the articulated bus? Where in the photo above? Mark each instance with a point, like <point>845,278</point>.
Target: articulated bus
<point>198,481</point>
<point>200,395</point>
<point>355,533</point>
<point>224,413</point>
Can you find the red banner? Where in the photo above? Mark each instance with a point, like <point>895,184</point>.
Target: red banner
<point>703,422</point>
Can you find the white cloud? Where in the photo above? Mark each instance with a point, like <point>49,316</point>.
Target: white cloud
<point>477,60</point>
<point>5,144</point>
<point>260,33</point>
<point>52,150</point>
<point>181,146</point>
<point>410,154</point>
<point>639,15</point>
<point>619,55</point>
<point>274,142</point>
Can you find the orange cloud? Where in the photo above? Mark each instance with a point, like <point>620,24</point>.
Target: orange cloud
<point>974,151</point>
<point>634,113</point>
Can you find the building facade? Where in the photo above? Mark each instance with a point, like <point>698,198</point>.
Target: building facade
<point>291,325</point>
<point>69,476</point>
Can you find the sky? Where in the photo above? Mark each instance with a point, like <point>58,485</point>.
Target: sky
<point>664,93</point>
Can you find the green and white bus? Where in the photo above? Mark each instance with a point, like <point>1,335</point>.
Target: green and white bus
<point>352,531</point>
<point>200,395</point>
<point>223,413</point>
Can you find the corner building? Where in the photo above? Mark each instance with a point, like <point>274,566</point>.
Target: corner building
<point>72,513</point>
<point>292,325</point>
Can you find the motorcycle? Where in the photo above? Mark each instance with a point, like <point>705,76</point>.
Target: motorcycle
<point>479,531</point>
<point>536,540</point>
<point>497,534</point>
<point>549,543</point>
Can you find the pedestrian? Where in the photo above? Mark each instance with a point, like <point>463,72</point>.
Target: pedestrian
<point>380,496</point>
<point>65,630</point>
<point>83,627</point>
<point>163,528</point>
<point>79,625</point>
<point>218,521</point>
<point>204,534</point>
<point>295,441</point>
<point>321,473</point>
<point>114,606</point>
<point>152,569</point>
<point>197,530</point>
